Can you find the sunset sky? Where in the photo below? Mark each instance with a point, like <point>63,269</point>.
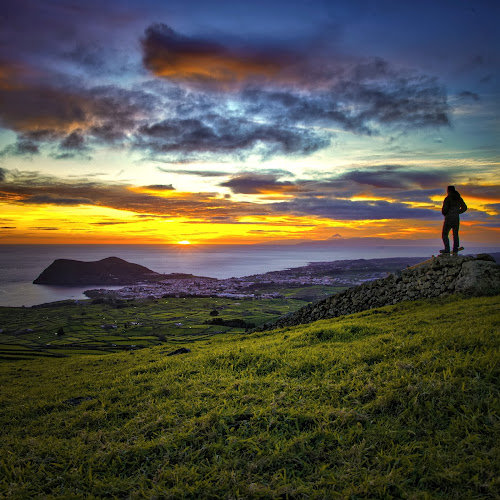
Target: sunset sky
<point>261,121</point>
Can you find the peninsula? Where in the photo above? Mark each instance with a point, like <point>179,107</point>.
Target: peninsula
<point>311,282</point>
<point>107,272</point>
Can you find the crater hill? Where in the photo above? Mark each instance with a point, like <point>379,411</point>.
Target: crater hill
<point>109,271</point>
<point>437,277</point>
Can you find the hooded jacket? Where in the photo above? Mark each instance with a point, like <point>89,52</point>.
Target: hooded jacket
<point>453,206</point>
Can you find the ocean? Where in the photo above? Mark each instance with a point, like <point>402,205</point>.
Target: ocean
<point>21,264</point>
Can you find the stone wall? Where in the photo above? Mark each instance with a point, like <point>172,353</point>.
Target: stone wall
<point>436,277</point>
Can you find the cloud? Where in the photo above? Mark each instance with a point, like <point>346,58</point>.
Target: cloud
<point>352,210</point>
<point>31,188</point>
<point>397,177</point>
<point>74,141</point>
<point>358,101</point>
<point>491,192</point>
<point>3,174</point>
<point>21,148</point>
<point>250,183</point>
<point>49,199</point>
<point>310,199</point>
<point>392,182</point>
<point>160,187</point>
<point>71,156</point>
<point>296,87</point>
<point>29,108</point>
<point>112,223</point>
<point>414,195</point>
<point>217,134</point>
<point>197,173</point>
<point>169,54</point>
<point>469,95</point>
<point>213,99</point>
<point>60,108</point>
<point>77,119</point>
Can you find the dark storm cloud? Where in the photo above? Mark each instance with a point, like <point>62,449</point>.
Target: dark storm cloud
<point>3,173</point>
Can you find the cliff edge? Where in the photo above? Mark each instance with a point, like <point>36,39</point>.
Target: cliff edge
<point>436,277</point>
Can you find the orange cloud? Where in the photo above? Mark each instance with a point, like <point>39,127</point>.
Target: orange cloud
<point>169,54</point>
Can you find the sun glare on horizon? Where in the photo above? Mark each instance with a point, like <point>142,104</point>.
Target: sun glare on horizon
<point>184,242</point>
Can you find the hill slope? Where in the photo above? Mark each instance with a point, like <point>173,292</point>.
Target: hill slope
<point>435,277</point>
<point>109,271</point>
<point>401,401</point>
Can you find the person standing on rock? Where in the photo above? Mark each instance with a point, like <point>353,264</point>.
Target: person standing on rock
<point>453,206</point>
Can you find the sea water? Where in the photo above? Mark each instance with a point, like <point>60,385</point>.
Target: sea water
<point>21,264</point>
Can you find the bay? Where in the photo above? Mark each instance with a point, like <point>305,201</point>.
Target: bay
<point>21,264</point>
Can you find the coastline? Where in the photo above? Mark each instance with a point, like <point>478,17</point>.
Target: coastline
<point>22,263</point>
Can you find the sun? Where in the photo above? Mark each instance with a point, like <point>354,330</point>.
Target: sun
<point>184,242</point>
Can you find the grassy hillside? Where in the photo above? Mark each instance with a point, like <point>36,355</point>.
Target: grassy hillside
<point>399,402</point>
<point>98,328</point>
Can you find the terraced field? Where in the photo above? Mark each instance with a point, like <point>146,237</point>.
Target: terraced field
<point>84,327</point>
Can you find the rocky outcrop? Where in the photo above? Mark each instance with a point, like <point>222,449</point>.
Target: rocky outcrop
<point>436,277</point>
<point>109,271</point>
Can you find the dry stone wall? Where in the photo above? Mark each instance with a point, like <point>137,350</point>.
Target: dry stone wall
<point>436,277</point>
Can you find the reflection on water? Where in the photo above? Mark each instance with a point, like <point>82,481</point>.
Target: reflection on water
<point>21,264</point>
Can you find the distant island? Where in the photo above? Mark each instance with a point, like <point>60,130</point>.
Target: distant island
<point>108,272</point>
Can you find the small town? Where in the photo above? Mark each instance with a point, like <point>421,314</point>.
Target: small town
<point>341,274</point>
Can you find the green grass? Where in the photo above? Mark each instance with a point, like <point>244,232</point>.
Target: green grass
<point>398,402</point>
<point>141,323</point>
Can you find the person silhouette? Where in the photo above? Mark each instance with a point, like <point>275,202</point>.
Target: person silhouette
<point>453,206</point>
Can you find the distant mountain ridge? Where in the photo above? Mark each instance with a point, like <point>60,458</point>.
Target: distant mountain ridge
<point>108,271</point>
